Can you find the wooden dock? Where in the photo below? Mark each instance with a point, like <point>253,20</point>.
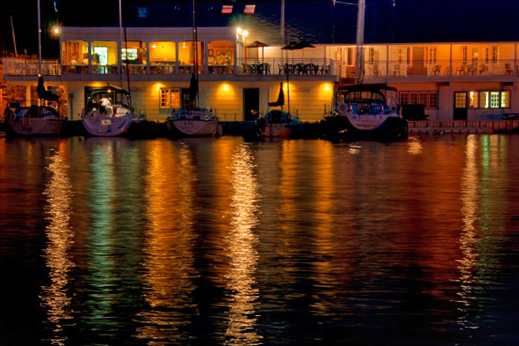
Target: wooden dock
<point>464,126</point>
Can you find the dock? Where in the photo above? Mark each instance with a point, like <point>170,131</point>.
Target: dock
<point>464,126</point>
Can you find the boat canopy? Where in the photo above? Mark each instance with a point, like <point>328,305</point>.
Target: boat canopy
<point>371,92</point>
<point>115,94</point>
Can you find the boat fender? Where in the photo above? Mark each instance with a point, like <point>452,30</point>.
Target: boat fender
<point>342,108</point>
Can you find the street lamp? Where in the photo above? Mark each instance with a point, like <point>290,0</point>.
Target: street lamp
<point>56,30</point>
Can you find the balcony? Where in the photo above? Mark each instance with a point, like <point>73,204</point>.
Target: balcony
<point>274,69</point>
<point>244,69</point>
<point>440,71</point>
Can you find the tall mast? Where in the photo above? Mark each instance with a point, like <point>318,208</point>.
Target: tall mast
<point>121,43</point>
<point>282,24</point>
<point>359,61</point>
<point>195,42</point>
<point>39,38</point>
<point>14,37</point>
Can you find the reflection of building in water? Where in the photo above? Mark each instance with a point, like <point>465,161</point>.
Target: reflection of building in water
<point>168,262</point>
<point>59,240</point>
<point>102,287</point>
<point>468,238</point>
<point>242,242</point>
<point>483,183</point>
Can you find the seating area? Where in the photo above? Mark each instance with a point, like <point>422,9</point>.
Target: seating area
<point>258,68</point>
<point>301,68</point>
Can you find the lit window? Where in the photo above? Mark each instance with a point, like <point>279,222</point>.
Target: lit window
<point>460,100</point>
<point>249,9</point>
<point>484,100</point>
<point>169,98</point>
<point>473,99</point>
<point>227,9</point>
<point>494,99</point>
<point>505,99</point>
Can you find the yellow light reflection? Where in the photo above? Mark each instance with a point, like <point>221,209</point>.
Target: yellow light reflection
<point>59,240</point>
<point>415,147</point>
<point>243,254</point>
<point>469,189</point>
<point>324,237</point>
<point>168,251</point>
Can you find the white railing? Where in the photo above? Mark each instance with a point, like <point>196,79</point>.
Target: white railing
<point>30,67</point>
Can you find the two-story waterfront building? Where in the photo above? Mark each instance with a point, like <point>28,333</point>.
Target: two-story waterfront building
<point>238,76</point>
<point>156,64</point>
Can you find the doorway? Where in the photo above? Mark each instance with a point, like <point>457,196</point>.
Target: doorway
<point>250,104</point>
<point>419,61</point>
<point>460,106</point>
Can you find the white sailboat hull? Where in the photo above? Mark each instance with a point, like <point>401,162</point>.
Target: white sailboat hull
<point>105,126</point>
<point>36,126</point>
<point>276,130</point>
<point>194,127</point>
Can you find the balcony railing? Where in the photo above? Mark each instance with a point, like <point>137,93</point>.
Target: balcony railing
<point>30,67</point>
<point>440,69</point>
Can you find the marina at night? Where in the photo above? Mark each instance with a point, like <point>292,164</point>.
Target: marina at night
<point>279,172</point>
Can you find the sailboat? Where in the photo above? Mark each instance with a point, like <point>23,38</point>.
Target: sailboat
<point>108,111</point>
<point>192,120</point>
<point>277,122</point>
<point>37,120</point>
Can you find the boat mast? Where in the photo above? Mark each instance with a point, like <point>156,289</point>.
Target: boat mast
<point>121,44</point>
<point>39,38</point>
<point>359,62</point>
<point>195,42</point>
<point>14,37</point>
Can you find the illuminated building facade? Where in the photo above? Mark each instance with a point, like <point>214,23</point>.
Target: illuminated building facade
<point>240,75</point>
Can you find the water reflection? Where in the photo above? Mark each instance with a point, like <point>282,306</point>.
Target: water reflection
<point>102,290</point>
<point>55,296</point>
<point>468,238</point>
<point>415,146</point>
<point>212,242</point>
<point>483,197</point>
<point>243,256</point>
<point>168,259</point>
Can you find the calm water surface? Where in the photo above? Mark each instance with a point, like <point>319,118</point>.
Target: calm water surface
<point>225,242</point>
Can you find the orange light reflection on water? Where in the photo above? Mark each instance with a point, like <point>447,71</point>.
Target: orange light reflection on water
<point>59,240</point>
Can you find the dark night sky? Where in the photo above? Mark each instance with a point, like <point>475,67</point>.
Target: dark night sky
<point>316,21</point>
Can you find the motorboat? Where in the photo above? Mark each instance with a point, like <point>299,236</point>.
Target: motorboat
<point>365,111</point>
<point>36,120</point>
<point>108,112</point>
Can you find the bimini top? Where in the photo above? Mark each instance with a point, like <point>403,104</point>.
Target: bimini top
<point>364,92</point>
<point>114,93</point>
<point>366,87</point>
